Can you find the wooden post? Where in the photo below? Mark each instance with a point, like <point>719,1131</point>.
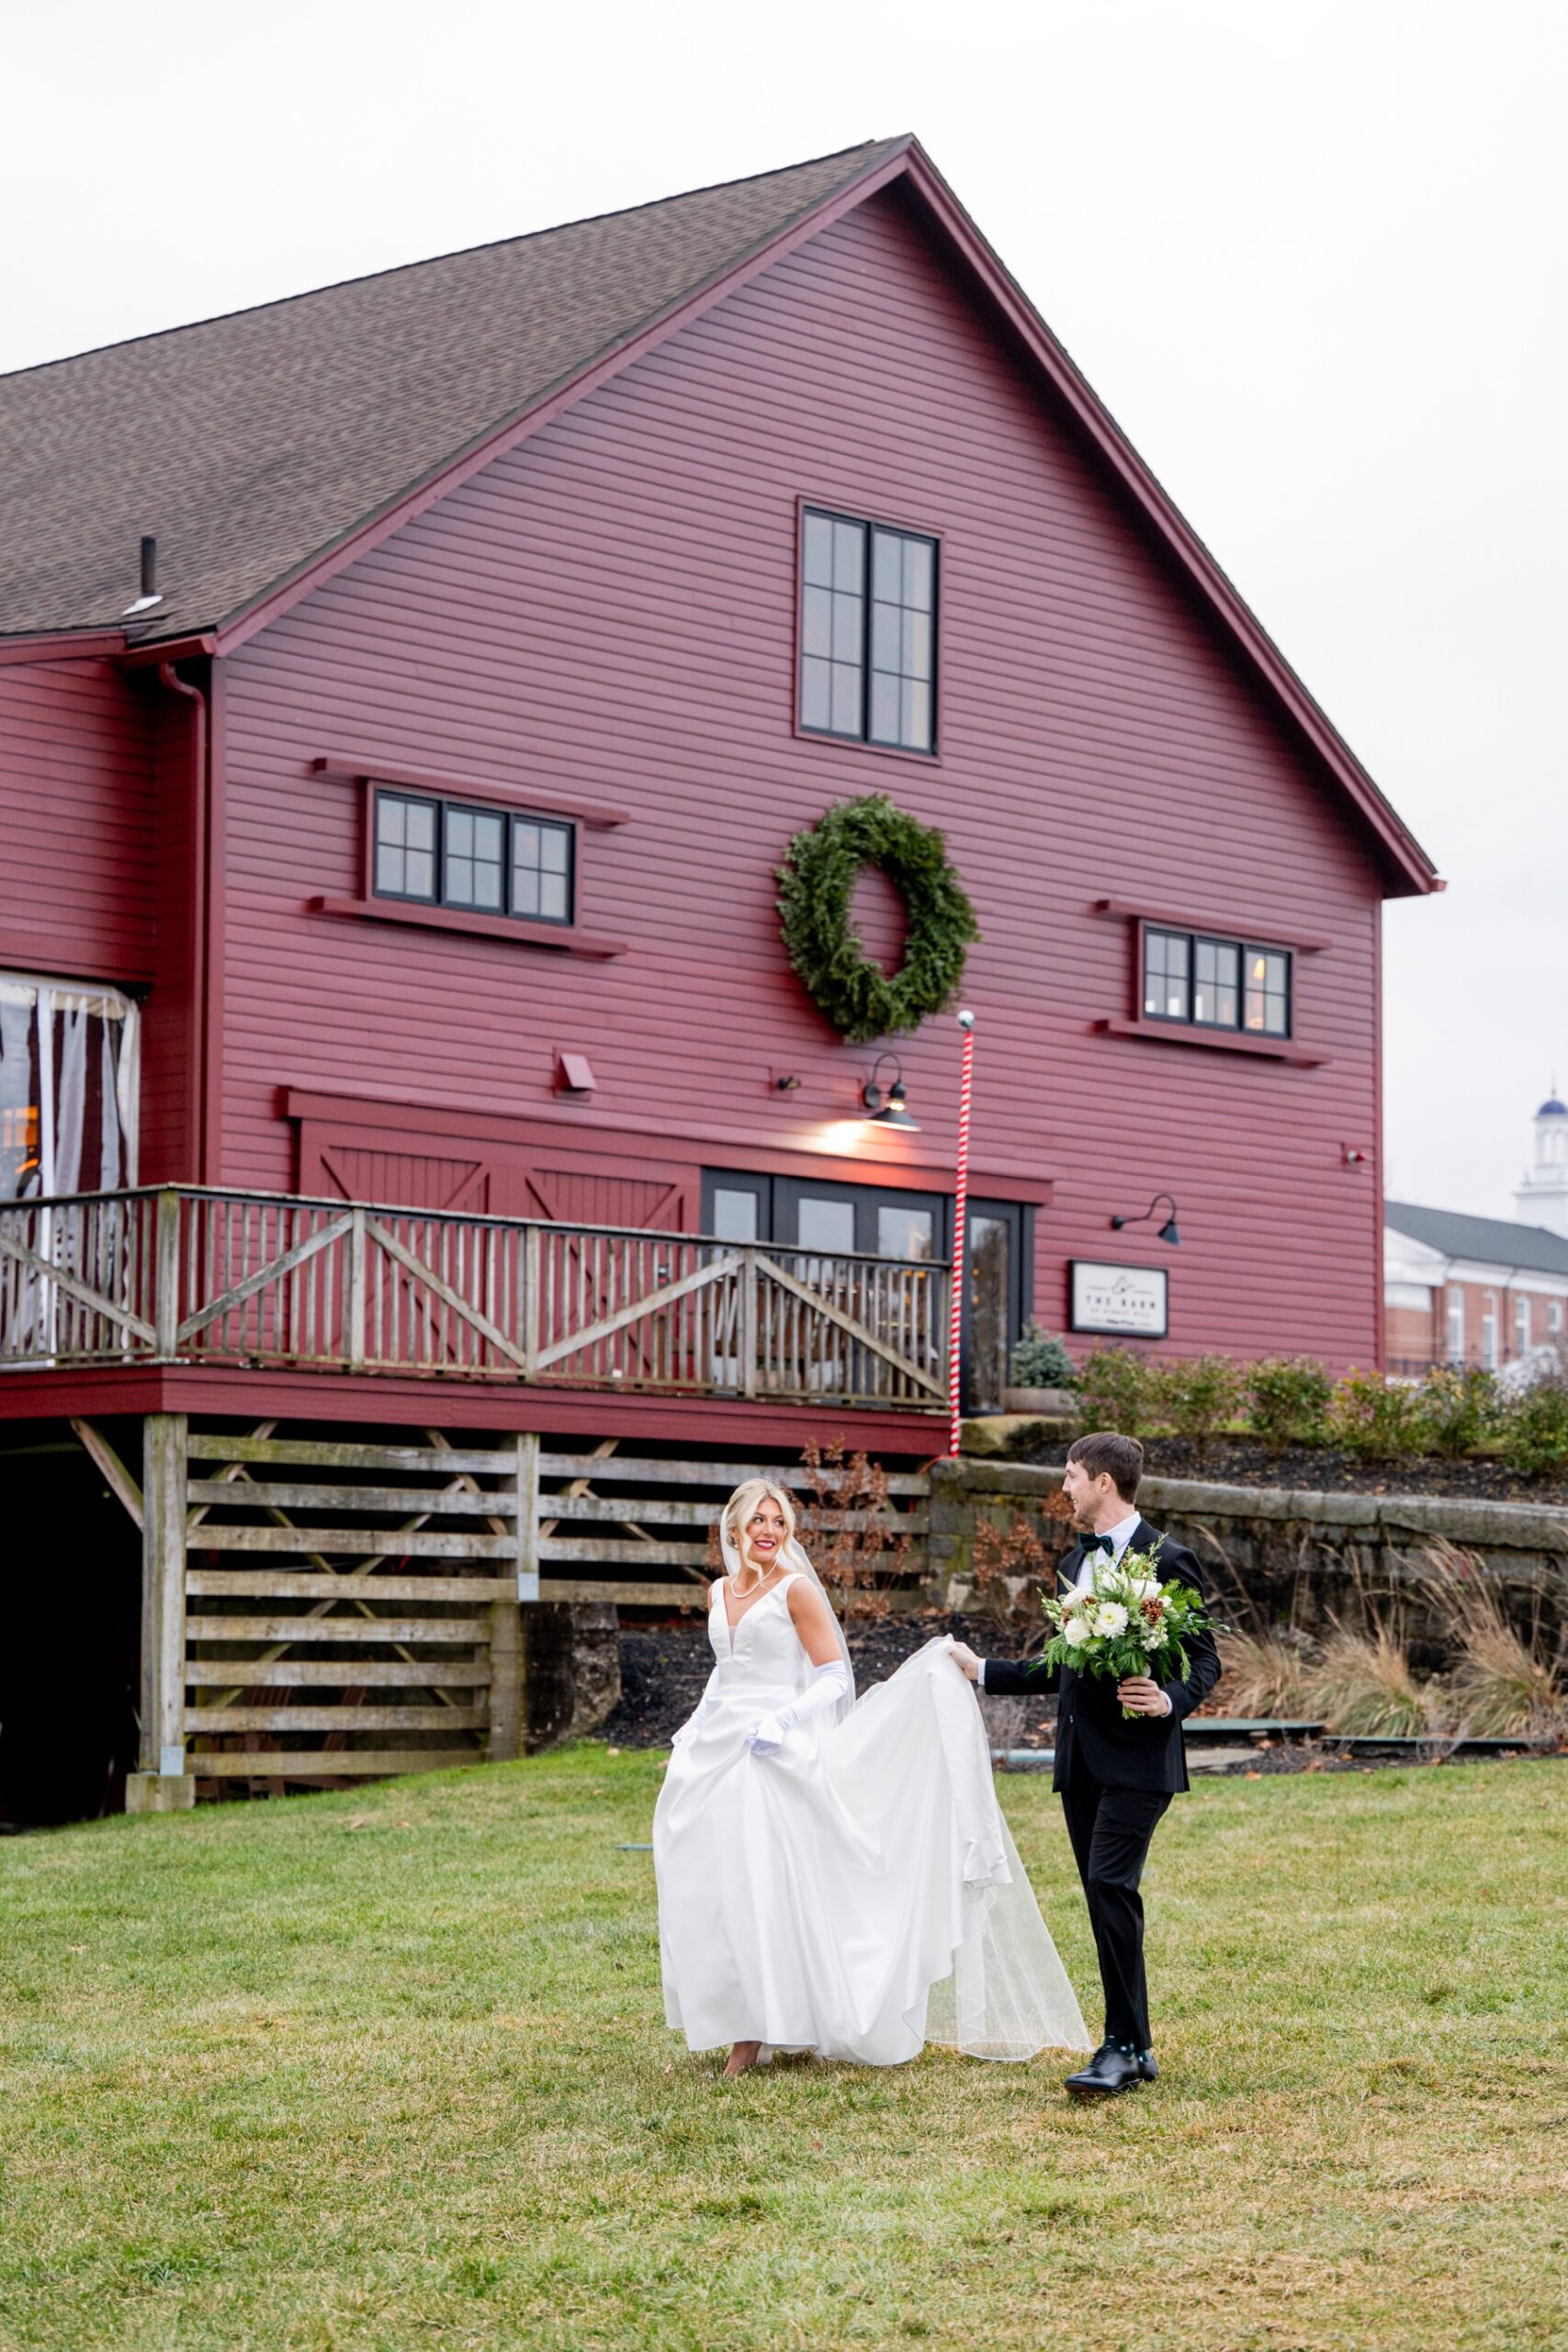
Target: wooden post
<point>528,1517</point>
<point>354,1292</point>
<point>505,1679</point>
<point>531,1260</point>
<point>748,1321</point>
<point>163,1783</point>
<point>166,1282</point>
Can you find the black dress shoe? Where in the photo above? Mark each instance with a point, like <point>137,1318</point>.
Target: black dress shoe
<point>1111,2069</point>
<point>1146,2066</point>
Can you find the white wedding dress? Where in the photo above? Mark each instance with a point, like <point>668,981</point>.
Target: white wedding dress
<point>856,1892</point>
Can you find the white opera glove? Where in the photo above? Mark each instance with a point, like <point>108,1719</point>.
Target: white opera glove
<point>826,1688</point>
<point>693,1724</point>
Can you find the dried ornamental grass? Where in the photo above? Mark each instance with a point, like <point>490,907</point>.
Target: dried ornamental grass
<point>1504,1681</point>
<point>1364,1686</point>
<point>1266,1675</point>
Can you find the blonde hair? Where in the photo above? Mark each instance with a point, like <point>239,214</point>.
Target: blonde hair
<point>741,1508</point>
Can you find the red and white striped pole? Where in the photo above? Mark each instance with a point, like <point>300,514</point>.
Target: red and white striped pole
<point>960,1219</point>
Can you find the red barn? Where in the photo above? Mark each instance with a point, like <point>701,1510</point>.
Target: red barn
<point>400,1051</point>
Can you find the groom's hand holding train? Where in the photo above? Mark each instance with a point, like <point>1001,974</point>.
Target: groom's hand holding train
<point>1120,1758</point>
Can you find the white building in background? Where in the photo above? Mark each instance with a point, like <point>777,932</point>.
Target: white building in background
<point>1542,1198</point>
<point>1483,1290</point>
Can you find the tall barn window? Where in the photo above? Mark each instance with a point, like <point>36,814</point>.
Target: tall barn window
<point>868,608</point>
<point>1216,983</point>
<point>486,861</point>
<point>67,1088</point>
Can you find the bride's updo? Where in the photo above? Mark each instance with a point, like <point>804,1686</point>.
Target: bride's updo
<point>738,1514</point>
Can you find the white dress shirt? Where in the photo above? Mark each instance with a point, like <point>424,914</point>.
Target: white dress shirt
<point>1121,1536</point>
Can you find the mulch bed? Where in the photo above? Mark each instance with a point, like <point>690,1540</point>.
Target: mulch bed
<point>1240,1462</point>
<point>664,1669</point>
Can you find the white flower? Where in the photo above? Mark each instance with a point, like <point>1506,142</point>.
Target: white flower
<point>1077,1630</point>
<point>1144,1588</point>
<point>1110,1617</point>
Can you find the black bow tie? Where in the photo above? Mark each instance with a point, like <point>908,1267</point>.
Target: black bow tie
<point>1096,1544</point>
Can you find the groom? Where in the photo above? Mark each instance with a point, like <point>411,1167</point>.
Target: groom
<point>1115,1778</point>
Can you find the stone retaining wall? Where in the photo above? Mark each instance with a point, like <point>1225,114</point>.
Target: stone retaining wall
<point>1293,1555</point>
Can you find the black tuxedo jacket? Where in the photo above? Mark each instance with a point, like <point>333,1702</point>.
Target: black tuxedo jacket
<point>1147,1752</point>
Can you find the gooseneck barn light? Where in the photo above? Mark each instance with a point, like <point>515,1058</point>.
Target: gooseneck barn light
<point>889,1109</point>
<point>1167,1231</point>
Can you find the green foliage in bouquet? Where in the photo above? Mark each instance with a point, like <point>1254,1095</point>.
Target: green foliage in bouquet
<point>1288,1399</point>
<point>1127,1622</point>
<point>1198,1396</point>
<point>1041,1361</point>
<point>1116,1385</point>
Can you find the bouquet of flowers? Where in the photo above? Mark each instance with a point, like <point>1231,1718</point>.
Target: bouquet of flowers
<point>1127,1622</point>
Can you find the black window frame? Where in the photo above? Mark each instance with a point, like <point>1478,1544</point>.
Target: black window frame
<point>1242,948</point>
<point>444,806</point>
<point>868,525</point>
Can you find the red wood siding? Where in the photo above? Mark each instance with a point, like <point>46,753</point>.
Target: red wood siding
<point>77,874</point>
<point>608,611</point>
<point>514,1170</point>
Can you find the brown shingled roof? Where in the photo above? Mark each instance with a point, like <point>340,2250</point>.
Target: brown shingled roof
<point>251,444</point>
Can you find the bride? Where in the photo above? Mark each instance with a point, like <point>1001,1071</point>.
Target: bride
<point>836,1877</point>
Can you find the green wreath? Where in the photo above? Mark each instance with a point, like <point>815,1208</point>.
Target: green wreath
<point>816,880</point>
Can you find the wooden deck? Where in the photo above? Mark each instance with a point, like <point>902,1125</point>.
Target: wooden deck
<point>187,1277</point>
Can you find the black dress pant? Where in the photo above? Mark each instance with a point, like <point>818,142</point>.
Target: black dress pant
<point>1110,1829</point>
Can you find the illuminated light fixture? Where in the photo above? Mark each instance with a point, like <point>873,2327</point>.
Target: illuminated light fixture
<point>1167,1231</point>
<point>889,1109</point>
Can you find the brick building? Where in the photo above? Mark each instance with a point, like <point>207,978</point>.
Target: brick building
<point>1483,1290</point>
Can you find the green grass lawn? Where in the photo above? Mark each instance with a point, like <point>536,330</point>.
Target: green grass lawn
<point>389,2071</point>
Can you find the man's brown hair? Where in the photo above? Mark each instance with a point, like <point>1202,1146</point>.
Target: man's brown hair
<point>1108,1450</point>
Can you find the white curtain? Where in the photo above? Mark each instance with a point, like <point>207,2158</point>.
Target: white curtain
<point>69,1088</point>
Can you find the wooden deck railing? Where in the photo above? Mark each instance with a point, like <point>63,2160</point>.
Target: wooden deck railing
<point>188,1276</point>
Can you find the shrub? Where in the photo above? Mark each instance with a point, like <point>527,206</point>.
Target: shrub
<point>1041,1361</point>
<point>1532,1435</point>
<point>1013,1571</point>
<point>858,1546</point>
<point>1116,1386</point>
<point>1197,1395</point>
<point>1376,1418</point>
<point>1288,1399</point>
<point>1458,1408</point>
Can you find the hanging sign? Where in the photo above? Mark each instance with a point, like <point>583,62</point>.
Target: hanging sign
<point>1131,1301</point>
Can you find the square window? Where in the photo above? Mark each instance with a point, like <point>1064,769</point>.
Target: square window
<point>405,847</point>
<point>861,653</point>
<point>472,863</point>
<point>1216,965</point>
<point>541,870</point>
<point>1166,962</point>
<point>1268,1006</point>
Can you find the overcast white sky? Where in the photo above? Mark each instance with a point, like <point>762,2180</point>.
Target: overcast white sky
<point>1311,255</point>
